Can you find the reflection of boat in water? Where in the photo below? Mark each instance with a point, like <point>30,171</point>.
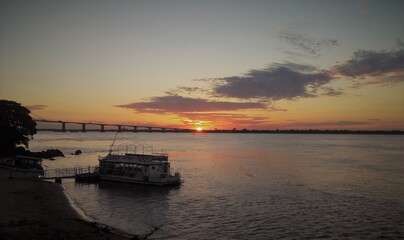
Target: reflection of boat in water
<point>23,165</point>
<point>138,164</point>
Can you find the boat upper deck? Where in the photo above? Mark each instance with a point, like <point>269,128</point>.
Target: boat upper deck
<point>136,154</point>
<point>135,158</point>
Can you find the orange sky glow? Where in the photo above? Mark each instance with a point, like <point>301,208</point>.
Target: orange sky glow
<point>210,65</point>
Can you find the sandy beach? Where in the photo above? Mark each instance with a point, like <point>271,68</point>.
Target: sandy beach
<point>33,209</point>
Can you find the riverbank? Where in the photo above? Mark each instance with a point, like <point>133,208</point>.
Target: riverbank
<point>32,209</point>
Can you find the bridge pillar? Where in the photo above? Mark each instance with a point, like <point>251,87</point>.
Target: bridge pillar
<point>102,127</point>
<point>83,127</point>
<point>163,129</point>
<point>63,127</point>
<point>134,129</point>
<point>119,128</point>
<point>150,129</point>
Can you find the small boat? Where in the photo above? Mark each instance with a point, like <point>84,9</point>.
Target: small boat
<point>137,164</point>
<point>23,166</point>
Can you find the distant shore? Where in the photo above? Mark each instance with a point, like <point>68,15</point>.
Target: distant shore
<point>33,209</point>
<point>276,131</point>
<point>311,131</point>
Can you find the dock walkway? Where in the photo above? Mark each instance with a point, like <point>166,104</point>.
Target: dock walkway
<point>75,172</point>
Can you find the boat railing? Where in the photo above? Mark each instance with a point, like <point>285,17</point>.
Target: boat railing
<point>68,172</point>
<point>144,149</point>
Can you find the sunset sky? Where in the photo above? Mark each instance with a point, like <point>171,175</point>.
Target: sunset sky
<point>212,64</point>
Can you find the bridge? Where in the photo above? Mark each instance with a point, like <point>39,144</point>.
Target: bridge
<point>104,127</point>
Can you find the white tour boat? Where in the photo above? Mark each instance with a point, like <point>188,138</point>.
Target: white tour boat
<point>137,164</point>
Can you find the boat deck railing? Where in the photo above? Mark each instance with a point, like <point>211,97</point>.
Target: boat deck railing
<point>68,172</point>
<point>143,149</point>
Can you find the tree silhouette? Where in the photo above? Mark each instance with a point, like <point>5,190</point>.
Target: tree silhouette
<point>16,126</point>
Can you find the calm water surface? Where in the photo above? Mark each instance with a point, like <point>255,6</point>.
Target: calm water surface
<point>249,186</point>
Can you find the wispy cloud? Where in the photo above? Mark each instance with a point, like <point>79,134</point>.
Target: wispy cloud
<point>306,44</point>
<point>36,107</point>
<point>332,92</point>
<point>178,104</point>
<point>182,90</point>
<point>389,81</point>
<point>325,91</point>
<point>223,120</point>
<point>332,123</point>
<point>294,124</point>
<point>342,124</point>
<point>366,63</point>
<point>280,81</point>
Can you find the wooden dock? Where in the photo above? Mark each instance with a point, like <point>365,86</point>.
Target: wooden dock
<point>84,173</point>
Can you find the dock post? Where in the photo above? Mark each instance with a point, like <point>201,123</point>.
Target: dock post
<point>83,127</point>
<point>63,127</point>
<point>119,128</point>
<point>135,129</point>
<point>102,127</point>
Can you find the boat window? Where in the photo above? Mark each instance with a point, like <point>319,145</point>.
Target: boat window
<point>111,165</point>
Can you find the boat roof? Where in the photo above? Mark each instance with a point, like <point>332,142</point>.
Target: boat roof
<point>140,159</point>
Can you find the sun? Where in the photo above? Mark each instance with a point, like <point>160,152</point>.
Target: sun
<point>199,129</point>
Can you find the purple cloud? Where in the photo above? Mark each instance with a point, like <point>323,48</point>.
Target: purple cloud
<point>370,63</point>
<point>179,104</point>
<point>291,80</point>
<point>281,81</point>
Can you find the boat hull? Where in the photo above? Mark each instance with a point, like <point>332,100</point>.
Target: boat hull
<point>135,181</point>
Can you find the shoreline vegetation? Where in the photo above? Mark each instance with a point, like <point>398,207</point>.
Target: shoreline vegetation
<point>46,154</point>
<point>49,154</point>
<point>35,209</point>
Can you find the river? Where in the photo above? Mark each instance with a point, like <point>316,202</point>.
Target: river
<point>248,186</point>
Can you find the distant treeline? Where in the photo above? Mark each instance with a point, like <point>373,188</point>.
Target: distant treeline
<point>310,131</point>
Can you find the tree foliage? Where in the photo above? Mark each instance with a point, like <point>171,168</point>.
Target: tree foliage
<point>16,126</point>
